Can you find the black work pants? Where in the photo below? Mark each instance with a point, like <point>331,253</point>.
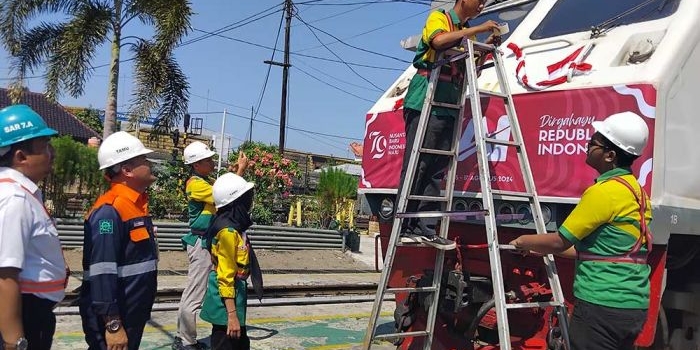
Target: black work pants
<point>597,327</point>
<point>221,341</point>
<point>38,321</point>
<point>429,172</point>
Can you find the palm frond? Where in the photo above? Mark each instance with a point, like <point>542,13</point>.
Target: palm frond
<point>14,15</point>
<point>171,19</point>
<point>36,45</point>
<point>160,84</point>
<point>78,45</point>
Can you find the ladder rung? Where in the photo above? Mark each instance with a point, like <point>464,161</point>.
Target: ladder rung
<point>493,93</point>
<point>401,335</point>
<point>411,289</point>
<point>447,105</point>
<point>441,214</point>
<point>414,197</point>
<point>438,152</point>
<point>512,193</point>
<point>533,305</point>
<point>483,47</point>
<point>501,142</point>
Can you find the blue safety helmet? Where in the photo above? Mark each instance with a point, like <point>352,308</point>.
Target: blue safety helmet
<point>20,123</point>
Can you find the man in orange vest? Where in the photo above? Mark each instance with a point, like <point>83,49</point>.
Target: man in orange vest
<point>120,252</point>
<point>33,272</point>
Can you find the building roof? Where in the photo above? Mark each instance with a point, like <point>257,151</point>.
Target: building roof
<point>53,113</point>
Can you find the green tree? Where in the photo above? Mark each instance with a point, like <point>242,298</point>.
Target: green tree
<point>68,48</point>
<point>89,116</point>
<point>272,175</point>
<point>335,187</point>
<point>167,198</point>
<point>75,175</point>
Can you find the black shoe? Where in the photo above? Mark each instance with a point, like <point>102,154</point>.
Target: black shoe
<point>424,230</point>
<point>439,242</point>
<point>408,235</point>
<point>178,345</point>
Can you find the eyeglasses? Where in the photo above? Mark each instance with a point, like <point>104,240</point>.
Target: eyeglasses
<point>592,144</point>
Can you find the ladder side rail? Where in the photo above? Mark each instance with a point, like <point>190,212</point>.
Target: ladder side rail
<point>401,204</point>
<point>530,187</point>
<point>488,205</point>
<point>450,179</point>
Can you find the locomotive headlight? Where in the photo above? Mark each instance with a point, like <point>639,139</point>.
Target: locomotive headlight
<point>546,214</point>
<point>507,210</point>
<point>386,209</point>
<point>476,206</point>
<point>459,205</point>
<point>524,210</point>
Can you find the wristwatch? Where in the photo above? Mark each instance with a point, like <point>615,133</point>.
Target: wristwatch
<point>21,344</point>
<point>113,325</point>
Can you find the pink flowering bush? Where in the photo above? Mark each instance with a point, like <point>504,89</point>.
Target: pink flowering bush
<point>272,175</point>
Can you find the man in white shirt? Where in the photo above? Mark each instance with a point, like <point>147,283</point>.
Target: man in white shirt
<point>32,268</point>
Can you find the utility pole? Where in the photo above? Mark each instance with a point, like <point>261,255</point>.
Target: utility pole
<point>250,135</point>
<point>285,74</point>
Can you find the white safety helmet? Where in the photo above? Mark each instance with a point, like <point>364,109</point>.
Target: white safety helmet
<point>626,130</point>
<point>229,187</point>
<point>197,151</point>
<point>119,147</point>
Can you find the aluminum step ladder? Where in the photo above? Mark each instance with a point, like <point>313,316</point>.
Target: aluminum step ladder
<point>470,96</point>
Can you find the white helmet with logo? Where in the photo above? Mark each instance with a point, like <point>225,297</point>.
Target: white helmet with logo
<point>197,151</point>
<point>120,147</point>
<point>229,187</point>
<point>626,130</point>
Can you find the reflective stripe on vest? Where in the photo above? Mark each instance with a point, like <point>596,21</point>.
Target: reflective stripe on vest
<point>634,256</point>
<point>110,268</point>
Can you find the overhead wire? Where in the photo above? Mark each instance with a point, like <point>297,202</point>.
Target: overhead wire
<point>336,78</point>
<point>338,40</point>
<point>334,54</point>
<point>240,116</point>
<point>369,31</point>
<point>305,55</point>
<point>335,14</point>
<point>240,23</point>
<point>333,86</point>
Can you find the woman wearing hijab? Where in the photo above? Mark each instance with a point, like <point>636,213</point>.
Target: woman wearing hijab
<point>233,262</point>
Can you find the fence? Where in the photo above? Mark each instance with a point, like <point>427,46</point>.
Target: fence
<point>70,232</point>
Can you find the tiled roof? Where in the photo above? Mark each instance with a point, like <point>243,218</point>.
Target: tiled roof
<point>54,114</point>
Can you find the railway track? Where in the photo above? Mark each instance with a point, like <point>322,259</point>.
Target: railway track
<point>172,295</point>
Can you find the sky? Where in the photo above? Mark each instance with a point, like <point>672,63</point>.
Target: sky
<point>344,55</point>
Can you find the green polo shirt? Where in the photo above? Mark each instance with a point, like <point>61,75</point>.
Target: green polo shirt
<point>200,207</point>
<point>436,24</point>
<point>606,222</point>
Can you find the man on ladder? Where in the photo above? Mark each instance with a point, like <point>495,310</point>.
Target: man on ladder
<point>443,30</point>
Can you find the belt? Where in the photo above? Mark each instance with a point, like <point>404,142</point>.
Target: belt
<point>198,232</point>
<point>443,77</point>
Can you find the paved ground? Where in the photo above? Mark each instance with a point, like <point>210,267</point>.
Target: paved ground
<point>324,326</point>
<point>281,327</point>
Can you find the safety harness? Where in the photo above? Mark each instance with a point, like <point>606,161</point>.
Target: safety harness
<point>454,74</point>
<point>634,255</point>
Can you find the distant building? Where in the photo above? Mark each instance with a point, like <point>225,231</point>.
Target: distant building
<point>55,115</point>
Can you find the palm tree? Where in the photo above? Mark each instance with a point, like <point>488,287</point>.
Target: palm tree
<point>67,49</point>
